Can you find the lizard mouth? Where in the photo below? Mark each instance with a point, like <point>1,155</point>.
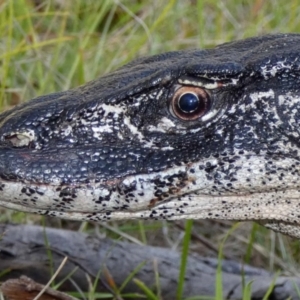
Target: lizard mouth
<point>175,193</point>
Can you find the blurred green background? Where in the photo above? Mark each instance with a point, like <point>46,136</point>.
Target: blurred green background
<point>48,46</point>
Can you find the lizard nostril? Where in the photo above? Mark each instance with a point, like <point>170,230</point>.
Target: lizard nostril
<point>190,103</point>
<point>21,138</point>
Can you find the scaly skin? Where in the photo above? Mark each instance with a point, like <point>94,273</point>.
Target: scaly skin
<point>189,134</point>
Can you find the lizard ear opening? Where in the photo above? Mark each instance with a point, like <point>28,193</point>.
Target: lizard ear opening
<point>190,103</point>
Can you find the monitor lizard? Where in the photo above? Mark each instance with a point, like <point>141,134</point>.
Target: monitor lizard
<point>181,135</point>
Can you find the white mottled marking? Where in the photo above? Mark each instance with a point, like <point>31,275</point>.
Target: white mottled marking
<point>196,82</point>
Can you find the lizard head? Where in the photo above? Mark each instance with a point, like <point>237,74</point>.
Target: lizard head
<point>188,134</point>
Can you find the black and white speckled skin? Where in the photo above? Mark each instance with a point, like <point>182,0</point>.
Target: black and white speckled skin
<point>113,149</point>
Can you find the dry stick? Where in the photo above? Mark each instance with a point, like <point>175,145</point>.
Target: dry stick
<point>46,287</point>
<point>14,286</point>
<point>73,260</point>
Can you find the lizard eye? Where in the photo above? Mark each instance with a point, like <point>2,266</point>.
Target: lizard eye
<point>190,103</point>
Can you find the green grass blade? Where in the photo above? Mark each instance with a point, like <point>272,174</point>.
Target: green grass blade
<point>271,287</point>
<point>219,280</point>
<point>150,295</point>
<point>184,258</point>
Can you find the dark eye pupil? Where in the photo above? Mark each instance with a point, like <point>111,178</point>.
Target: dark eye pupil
<point>188,102</point>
